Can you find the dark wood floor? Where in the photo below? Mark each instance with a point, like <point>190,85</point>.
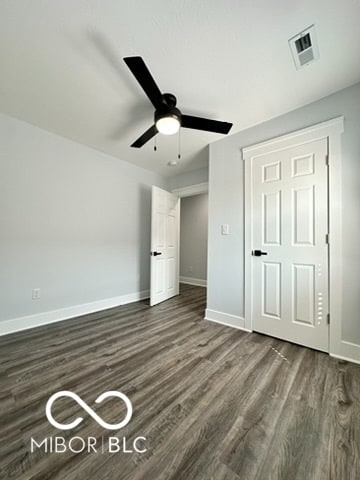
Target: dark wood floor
<point>213,402</point>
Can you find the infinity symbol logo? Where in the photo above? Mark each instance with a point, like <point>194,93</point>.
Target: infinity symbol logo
<point>90,411</point>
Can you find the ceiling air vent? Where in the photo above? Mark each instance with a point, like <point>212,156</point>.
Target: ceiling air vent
<point>304,47</point>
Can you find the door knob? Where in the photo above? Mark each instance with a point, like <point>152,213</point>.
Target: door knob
<point>258,253</point>
<point>155,254</point>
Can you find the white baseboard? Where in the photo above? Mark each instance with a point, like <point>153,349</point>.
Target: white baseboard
<point>347,359</point>
<point>226,319</point>
<point>193,281</point>
<point>348,351</point>
<point>37,320</point>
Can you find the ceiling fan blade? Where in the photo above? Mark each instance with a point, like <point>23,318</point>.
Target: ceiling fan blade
<point>144,77</point>
<point>145,137</point>
<point>206,124</point>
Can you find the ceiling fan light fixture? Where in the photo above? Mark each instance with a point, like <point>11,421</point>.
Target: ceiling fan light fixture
<point>168,125</point>
<point>167,118</point>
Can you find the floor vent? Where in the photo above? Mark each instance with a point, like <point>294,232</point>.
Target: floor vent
<point>304,47</point>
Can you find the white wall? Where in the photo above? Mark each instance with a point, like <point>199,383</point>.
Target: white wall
<point>226,205</point>
<point>186,179</point>
<point>73,222</point>
<point>193,239</point>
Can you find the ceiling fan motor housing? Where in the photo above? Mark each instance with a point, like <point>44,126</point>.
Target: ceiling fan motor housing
<point>167,108</point>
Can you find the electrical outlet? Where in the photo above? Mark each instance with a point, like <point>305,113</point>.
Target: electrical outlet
<point>36,293</point>
<point>190,269</point>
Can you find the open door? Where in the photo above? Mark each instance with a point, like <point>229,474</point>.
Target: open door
<point>165,230</point>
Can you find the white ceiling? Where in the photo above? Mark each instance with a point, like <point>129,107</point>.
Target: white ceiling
<point>62,68</point>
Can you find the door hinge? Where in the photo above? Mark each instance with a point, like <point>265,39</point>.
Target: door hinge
<point>327,159</point>
<point>328,318</point>
<point>327,239</point>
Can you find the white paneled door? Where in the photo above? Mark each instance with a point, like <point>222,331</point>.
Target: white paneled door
<point>290,244</point>
<point>164,263</point>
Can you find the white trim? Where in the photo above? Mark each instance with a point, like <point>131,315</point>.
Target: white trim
<point>248,235</point>
<point>331,130</point>
<point>226,319</point>
<point>193,281</point>
<point>309,134</point>
<point>347,351</point>
<point>40,319</point>
<point>350,357</point>
<point>336,346</point>
<point>197,189</point>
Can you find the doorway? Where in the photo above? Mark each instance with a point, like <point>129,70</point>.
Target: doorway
<point>166,274</point>
<point>193,239</point>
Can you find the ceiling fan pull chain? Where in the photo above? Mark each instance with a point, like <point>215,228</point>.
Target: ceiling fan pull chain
<point>155,146</point>
<point>179,145</point>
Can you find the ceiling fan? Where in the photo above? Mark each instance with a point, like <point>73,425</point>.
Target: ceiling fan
<point>167,118</point>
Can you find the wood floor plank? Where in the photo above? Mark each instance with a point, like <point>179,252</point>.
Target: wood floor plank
<point>214,403</point>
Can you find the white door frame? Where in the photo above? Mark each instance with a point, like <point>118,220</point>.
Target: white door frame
<point>331,130</point>
<point>191,190</point>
